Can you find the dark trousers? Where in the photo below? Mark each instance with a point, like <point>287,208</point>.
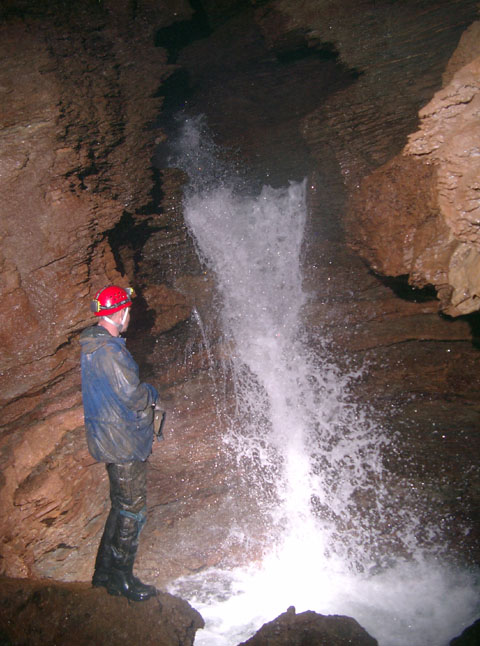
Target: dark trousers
<point>128,495</point>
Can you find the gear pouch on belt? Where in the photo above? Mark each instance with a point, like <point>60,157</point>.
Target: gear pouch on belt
<point>158,419</point>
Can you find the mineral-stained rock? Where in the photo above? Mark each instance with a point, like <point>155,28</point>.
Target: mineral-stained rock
<point>46,470</point>
<point>170,307</point>
<point>74,109</point>
<point>426,202</point>
<point>392,218</point>
<point>44,614</point>
<point>468,48</point>
<point>449,138</point>
<point>396,55</point>
<point>78,94</point>
<point>309,627</point>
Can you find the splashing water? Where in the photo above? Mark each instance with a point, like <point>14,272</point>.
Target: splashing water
<point>339,545</point>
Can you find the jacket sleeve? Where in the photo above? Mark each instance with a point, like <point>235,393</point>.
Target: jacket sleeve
<point>122,373</point>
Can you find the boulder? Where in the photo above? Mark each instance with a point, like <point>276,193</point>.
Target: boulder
<point>469,637</point>
<point>309,627</point>
<point>42,613</point>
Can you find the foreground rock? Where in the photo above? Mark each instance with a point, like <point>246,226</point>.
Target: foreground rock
<point>309,627</point>
<point>76,614</point>
<point>41,613</point>
<point>469,637</point>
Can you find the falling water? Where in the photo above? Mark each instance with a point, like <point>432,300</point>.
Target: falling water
<point>339,543</point>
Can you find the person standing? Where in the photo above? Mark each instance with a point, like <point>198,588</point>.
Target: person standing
<point>118,412</point>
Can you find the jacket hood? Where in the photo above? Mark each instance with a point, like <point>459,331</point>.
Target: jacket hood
<point>95,337</point>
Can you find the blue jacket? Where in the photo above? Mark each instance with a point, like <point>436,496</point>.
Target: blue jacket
<point>117,406</point>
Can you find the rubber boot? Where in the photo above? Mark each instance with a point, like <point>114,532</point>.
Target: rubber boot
<point>103,561</point>
<point>121,580</point>
<point>145,587</point>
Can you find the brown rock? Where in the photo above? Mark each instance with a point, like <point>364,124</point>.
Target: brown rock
<point>72,139</point>
<point>309,627</point>
<point>468,48</point>
<point>419,214</point>
<point>43,614</point>
<point>78,88</point>
<point>393,218</point>
<point>170,307</point>
<point>449,138</point>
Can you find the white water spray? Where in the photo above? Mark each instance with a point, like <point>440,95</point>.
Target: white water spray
<point>337,544</point>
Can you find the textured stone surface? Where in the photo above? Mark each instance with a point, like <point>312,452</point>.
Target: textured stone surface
<point>78,92</point>
<point>396,55</point>
<point>309,627</point>
<point>39,613</point>
<point>74,144</point>
<point>449,139</point>
<point>419,214</point>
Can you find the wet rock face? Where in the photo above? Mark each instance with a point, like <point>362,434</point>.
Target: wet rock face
<point>36,613</point>
<point>427,201</point>
<point>78,91</point>
<point>395,56</point>
<point>44,255</point>
<point>77,99</point>
<point>308,627</point>
<point>371,227</point>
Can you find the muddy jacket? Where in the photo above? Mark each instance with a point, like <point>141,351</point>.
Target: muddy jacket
<point>117,407</point>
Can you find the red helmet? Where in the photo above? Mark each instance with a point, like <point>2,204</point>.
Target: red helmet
<point>111,299</point>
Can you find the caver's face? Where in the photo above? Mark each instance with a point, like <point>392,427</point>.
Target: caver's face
<point>122,319</point>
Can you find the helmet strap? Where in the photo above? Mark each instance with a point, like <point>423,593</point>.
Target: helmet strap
<point>125,314</point>
<point>120,325</point>
<point>117,325</point>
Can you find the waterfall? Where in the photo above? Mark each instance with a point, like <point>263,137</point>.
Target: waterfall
<point>339,543</point>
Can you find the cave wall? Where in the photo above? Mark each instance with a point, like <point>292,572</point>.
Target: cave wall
<point>80,101</point>
<point>396,53</point>
<point>406,208</point>
<point>425,201</point>
<point>78,85</point>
